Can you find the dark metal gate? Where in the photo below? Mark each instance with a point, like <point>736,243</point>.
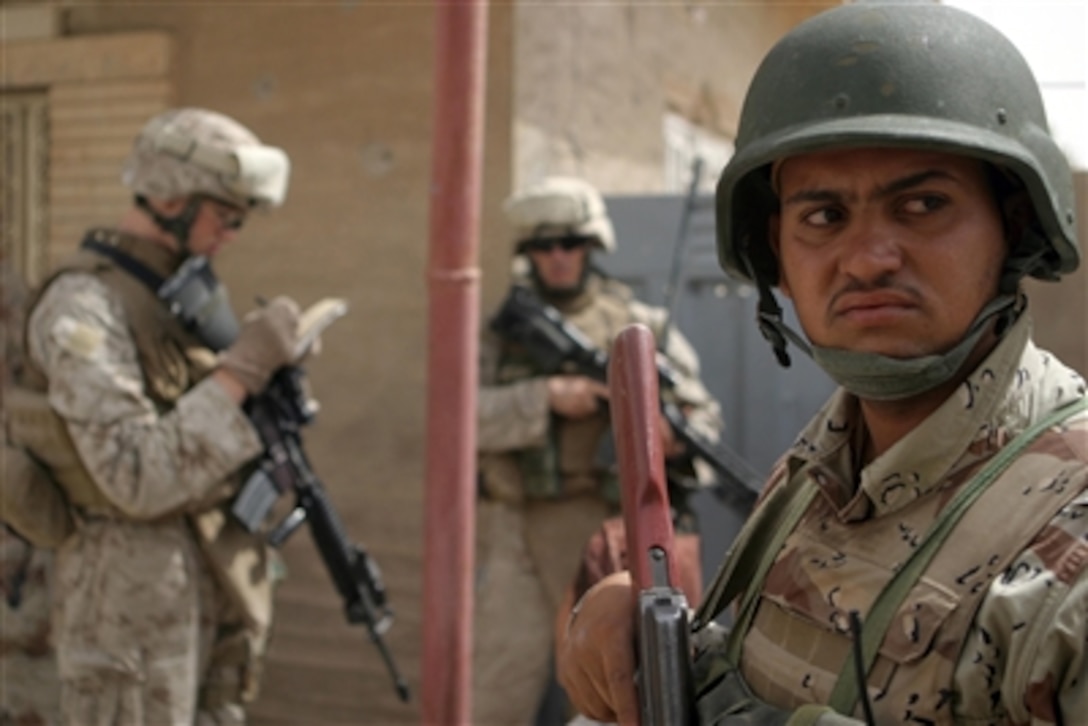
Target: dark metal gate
<point>763,405</point>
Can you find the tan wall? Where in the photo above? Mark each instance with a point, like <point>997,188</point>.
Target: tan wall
<point>99,92</point>
<point>346,89</point>
<point>595,79</point>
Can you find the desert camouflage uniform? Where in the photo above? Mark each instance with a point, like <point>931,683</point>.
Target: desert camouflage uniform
<point>996,629</point>
<point>531,533</point>
<point>139,617</point>
<point>29,686</point>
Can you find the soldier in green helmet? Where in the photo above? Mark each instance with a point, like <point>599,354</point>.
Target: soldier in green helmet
<point>918,555</point>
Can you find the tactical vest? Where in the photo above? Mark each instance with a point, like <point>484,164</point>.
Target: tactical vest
<point>171,359</point>
<point>799,642</point>
<point>575,458</point>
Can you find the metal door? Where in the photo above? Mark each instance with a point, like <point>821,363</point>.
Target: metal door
<point>764,406</point>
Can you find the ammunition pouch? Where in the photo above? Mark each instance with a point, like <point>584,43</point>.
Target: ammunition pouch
<point>240,563</point>
<point>33,425</point>
<point>32,503</point>
<point>46,477</point>
<point>539,470</point>
<point>234,674</point>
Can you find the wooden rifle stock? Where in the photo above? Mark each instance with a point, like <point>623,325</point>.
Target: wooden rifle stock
<point>664,680</point>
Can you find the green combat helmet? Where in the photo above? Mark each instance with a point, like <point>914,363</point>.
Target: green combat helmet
<point>922,76</point>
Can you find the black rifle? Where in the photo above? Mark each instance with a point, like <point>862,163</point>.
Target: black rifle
<point>194,295</point>
<point>556,346</point>
<point>278,414</point>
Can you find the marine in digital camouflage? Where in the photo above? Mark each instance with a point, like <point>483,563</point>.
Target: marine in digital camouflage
<point>29,684</point>
<point>130,652</point>
<point>533,522</point>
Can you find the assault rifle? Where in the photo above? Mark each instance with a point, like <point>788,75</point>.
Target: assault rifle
<point>665,681</point>
<point>194,295</point>
<point>279,413</point>
<point>556,346</point>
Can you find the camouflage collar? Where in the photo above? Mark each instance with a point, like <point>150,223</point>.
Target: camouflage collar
<point>1014,386</point>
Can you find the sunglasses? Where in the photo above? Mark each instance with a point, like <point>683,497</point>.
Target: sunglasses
<point>547,244</point>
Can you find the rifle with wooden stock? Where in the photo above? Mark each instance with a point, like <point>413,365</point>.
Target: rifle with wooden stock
<point>665,682</point>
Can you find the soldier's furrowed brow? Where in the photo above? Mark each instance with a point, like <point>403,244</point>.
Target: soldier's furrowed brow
<point>806,196</point>
<point>884,190</point>
<point>911,181</point>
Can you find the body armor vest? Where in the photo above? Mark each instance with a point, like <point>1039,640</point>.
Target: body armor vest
<point>800,639</point>
<point>172,361</point>
<point>575,459</point>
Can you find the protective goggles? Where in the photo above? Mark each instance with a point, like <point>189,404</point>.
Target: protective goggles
<point>567,243</point>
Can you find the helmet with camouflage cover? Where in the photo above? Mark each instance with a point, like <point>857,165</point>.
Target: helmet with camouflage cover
<point>919,75</point>
<point>196,152</point>
<point>560,206</point>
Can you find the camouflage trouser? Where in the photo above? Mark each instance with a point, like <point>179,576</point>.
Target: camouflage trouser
<point>29,691</point>
<point>29,685</point>
<point>526,561</point>
<point>168,658</point>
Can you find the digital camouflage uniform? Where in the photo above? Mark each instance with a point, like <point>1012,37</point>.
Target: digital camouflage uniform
<point>142,626</point>
<point>996,630</point>
<point>533,526</point>
<point>29,685</point>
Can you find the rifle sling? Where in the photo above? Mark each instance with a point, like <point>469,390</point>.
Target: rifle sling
<point>766,532</point>
<point>132,266</point>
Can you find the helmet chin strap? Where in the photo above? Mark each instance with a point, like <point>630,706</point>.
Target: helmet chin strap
<point>179,226</point>
<point>879,377</point>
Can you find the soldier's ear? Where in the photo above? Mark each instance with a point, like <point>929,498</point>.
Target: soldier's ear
<point>774,226</point>
<point>1018,215</point>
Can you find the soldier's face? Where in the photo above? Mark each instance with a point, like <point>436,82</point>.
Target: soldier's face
<point>889,251</point>
<point>559,263</point>
<point>216,224</point>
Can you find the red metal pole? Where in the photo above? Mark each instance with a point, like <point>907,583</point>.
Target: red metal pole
<point>453,315</point>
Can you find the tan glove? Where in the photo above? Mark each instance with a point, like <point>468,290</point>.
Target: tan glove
<point>265,344</point>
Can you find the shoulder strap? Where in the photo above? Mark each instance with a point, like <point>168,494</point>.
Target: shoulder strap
<point>754,551</point>
<point>844,696</point>
<point>129,264</point>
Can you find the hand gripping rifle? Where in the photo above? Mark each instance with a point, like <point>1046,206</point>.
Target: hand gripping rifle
<point>557,346</point>
<point>194,295</point>
<point>665,682</point>
<point>278,414</point>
